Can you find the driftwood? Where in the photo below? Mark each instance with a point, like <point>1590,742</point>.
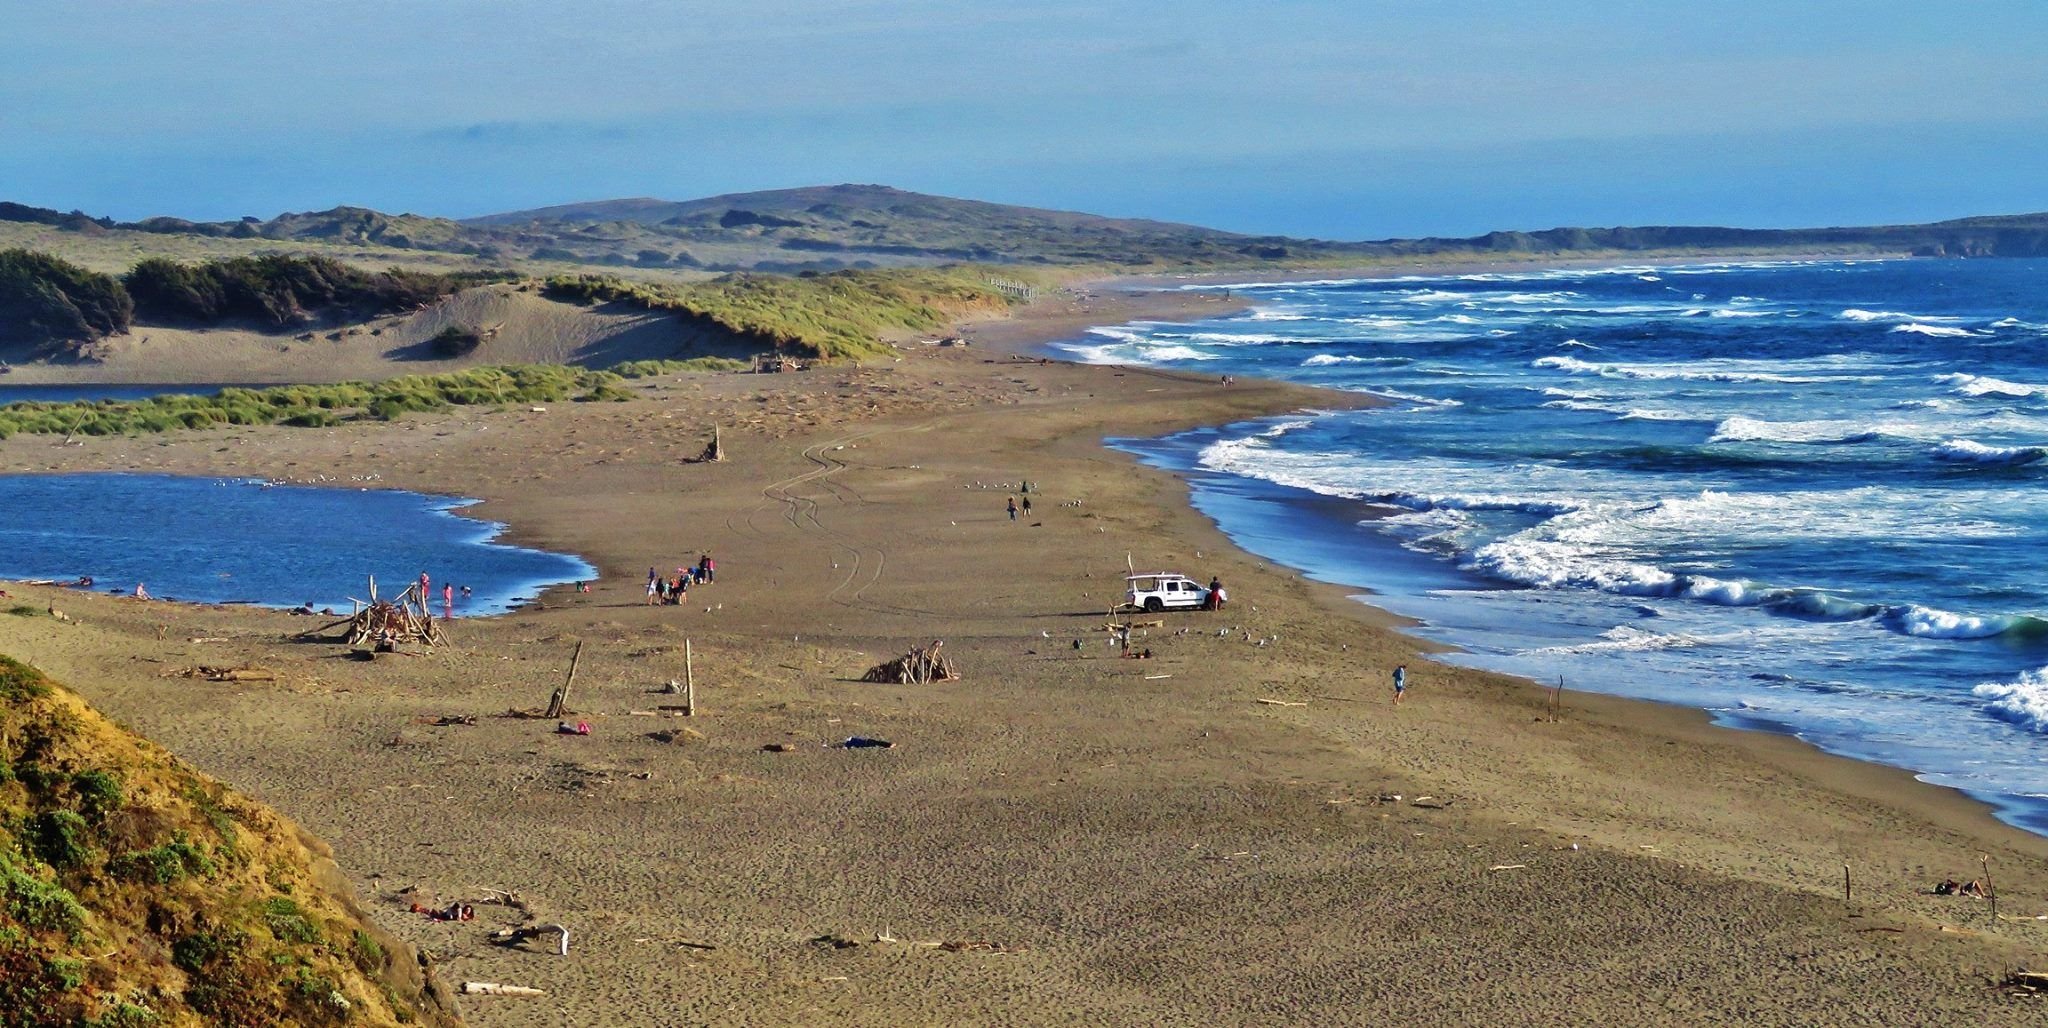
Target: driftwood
<point>918,667</point>
<point>244,673</point>
<point>1280,703</point>
<point>557,704</point>
<point>495,989</point>
<point>715,450</point>
<point>386,624</point>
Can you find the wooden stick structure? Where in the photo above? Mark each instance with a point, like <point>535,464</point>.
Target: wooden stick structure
<point>387,624</point>
<point>689,682</point>
<point>716,450</point>
<point>921,666</point>
<point>1990,892</point>
<point>558,703</point>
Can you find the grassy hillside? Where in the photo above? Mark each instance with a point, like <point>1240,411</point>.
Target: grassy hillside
<point>136,892</point>
<point>840,315</point>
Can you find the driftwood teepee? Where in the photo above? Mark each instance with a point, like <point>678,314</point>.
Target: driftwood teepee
<point>384,623</point>
<point>921,665</point>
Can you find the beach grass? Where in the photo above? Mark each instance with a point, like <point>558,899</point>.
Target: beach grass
<point>841,315</point>
<point>315,406</point>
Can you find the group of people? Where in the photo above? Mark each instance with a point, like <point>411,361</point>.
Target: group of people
<point>675,589</point>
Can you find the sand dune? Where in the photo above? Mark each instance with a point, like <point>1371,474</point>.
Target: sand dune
<point>522,327</point>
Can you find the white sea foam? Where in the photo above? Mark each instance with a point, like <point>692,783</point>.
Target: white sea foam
<point>1177,353</point>
<point>1420,401</point>
<point>1938,331</point>
<point>2022,701</point>
<point>1323,360</point>
<point>1984,385</point>
<point>1930,623</point>
<point>1971,451</point>
<point>1573,343</point>
<point>1745,429</point>
<point>1243,338</point>
<point>1700,371</point>
<point>1858,314</point>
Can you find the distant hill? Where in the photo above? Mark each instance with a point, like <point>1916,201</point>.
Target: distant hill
<point>826,227</point>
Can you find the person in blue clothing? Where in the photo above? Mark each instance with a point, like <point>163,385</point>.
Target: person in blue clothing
<point>1400,683</point>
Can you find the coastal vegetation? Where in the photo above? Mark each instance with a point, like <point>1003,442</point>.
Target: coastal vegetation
<point>315,406</point>
<point>278,291</point>
<point>46,299</point>
<point>835,315</point>
<point>134,891</point>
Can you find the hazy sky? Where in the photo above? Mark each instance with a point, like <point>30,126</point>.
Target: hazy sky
<point>1352,119</point>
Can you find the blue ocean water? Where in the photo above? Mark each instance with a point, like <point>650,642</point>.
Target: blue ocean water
<point>1807,497</point>
<point>236,540</point>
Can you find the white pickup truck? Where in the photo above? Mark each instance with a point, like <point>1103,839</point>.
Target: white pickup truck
<point>1164,590</point>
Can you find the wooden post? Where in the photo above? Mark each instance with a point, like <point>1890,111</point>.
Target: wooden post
<point>1845,884</point>
<point>560,700</point>
<point>689,681</point>
<point>1989,890</point>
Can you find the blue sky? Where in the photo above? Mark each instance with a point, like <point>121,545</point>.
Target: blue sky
<point>1363,119</point>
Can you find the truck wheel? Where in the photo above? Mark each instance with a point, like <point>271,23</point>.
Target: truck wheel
<point>1154,604</point>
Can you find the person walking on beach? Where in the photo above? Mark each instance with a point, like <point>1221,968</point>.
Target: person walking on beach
<point>1400,683</point>
<point>447,602</point>
<point>1027,506</point>
<point>653,589</point>
<point>1013,508</point>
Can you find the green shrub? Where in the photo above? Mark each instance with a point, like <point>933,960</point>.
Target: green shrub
<point>162,865</point>
<point>651,368</point>
<point>20,683</point>
<point>197,952</point>
<point>36,904</point>
<point>60,839</point>
<point>368,955</point>
<point>98,792</point>
<point>122,1015</point>
<point>287,921</point>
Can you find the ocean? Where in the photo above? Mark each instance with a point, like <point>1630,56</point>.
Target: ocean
<point>246,541</point>
<point>1804,496</point>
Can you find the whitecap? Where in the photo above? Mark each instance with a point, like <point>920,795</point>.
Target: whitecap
<point>1984,385</point>
<point>2022,701</point>
<point>1971,451</point>
<point>1938,331</point>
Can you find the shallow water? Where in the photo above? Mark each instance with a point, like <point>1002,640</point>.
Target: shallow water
<point>241,541</point>
<point>1804,496</point>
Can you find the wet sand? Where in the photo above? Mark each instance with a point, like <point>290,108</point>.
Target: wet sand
<point>1103,840</point>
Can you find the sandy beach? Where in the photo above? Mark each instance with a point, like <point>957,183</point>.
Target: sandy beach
<point>1228,832</point>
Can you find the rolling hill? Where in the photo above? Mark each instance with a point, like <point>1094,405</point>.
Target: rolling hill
<point>842,226</point>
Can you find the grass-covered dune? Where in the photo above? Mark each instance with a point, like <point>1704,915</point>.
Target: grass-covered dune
<point>315,406</point>
<point>46,300</point>
<point>135,891</point>
<point>837,315</point>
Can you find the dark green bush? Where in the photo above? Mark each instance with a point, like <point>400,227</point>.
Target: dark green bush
<point>163,864</point>
<point>45,299</point>
<point>61,839</point>
<point>98,792</point>
<point>455,341</point>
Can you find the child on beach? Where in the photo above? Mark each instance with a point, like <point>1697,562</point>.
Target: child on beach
<point>1013,508</point>
<point>1400,684</point>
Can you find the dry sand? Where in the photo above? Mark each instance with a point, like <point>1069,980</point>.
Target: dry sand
<point>1136,842</point>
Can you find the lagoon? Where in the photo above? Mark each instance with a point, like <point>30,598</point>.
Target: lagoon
<point>233,540</point>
